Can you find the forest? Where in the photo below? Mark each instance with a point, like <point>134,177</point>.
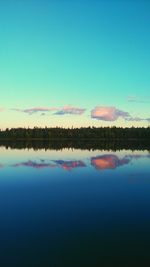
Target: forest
<point>109,138</point>
<point>76,133</point>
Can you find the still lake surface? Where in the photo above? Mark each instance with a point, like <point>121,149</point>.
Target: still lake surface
<point>74,208</point>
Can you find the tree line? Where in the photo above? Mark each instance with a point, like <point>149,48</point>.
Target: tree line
<point>76,133</point>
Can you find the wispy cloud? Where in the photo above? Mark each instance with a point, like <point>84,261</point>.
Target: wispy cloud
<point>135,99</point>
<point>33,110</point>
<point>70,110</point>
<point>57,111</point>
<point>137,119</point>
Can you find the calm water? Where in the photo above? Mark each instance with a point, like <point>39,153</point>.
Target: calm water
<point>74,208</point>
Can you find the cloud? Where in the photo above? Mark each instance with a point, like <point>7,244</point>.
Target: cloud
<point>135,99</point>
<point>58,111</point>
<point>104,113</point>
<point>108,113</point>
<point>112,114</point>
<point>137,119</point>
<point>70,110</point>
<point>31,111</point>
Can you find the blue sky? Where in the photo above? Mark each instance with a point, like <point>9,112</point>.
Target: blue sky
<point>74,63</point>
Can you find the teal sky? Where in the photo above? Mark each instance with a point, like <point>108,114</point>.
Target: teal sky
<point>60,60</point>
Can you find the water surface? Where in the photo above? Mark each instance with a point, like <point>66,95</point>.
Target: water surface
<point>74,208</point>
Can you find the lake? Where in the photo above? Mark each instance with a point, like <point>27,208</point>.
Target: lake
<point>74,208</point>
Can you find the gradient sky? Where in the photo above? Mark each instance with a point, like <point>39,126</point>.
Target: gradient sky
<point>74,63</point>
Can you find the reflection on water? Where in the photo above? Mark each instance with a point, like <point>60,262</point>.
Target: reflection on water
<point>34,164</point>
<point>108,162</point>
<point>100,162</point>
<point>66,165</point>
<point>74,208</point>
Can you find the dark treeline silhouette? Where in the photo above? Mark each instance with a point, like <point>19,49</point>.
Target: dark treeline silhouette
<point>59,144</point>
<point>110,138</point>
<point>76,133</point>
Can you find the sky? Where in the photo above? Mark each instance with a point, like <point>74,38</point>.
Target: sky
<point>74,63</point>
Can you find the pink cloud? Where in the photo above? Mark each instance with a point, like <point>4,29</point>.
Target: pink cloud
<point>108,113</point>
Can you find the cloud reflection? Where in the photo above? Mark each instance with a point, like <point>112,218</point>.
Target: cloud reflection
<point>109,162</point>
<point>65,165</point>
<point>34,164</point>
<point>99,162</point>
<point>69,165</point>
